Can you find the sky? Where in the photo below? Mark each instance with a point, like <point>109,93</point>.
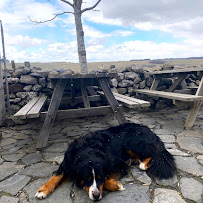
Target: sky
<point>116,30</point>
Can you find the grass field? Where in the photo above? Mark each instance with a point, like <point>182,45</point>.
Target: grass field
<point>95,65</point>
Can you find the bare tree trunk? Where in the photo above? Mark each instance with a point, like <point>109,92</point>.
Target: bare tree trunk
<point>80,36</point>
<point>2,99</point>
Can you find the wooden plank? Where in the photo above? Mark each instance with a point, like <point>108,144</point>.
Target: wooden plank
<point>171,95</point>
<point>22,113</point>
<point>91,90</point>
<point>127,103</point>
<point>177,82</point>
<point>35,110</point>
<point>140,102</point>
<point>94,98</point>
<point>2,99</point>
<point>52,110</point>
<point>85,97</point>
<point>183,91</point>
<point>185,70</point>
<point>80,113</point>
<point>111,99</point>
<point>154,84</point>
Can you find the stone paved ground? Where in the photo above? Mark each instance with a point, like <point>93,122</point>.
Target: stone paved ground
<point>23,169</point>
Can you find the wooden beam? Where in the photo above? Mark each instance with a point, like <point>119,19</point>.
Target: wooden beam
<point>50,117</point>
<point>111,99</point>
<point>154,84</point>
<point>177,82</point>
<point>2,99</point>
<point>85,97</point>
<point>79,113</point>
<point>171,95</point>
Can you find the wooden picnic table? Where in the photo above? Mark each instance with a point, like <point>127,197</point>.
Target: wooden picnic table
<point>171,93</point>
<point>84,82</point>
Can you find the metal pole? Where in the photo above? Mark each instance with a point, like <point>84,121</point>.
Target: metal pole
<point>5,69</point>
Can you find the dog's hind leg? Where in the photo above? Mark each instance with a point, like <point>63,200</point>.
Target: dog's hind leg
<point>144,165</point>
<point>49,186</point>
<point>112,184</point>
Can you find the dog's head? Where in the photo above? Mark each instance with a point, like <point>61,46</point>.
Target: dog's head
<point>90,174</point>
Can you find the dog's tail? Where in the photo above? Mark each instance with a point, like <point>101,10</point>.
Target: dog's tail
<point>162,165</point>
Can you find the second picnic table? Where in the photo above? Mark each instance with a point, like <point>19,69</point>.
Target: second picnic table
<point>179,75</point>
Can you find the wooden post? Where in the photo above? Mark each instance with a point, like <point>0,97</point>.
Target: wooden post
<point>13,66</point>
<point>2,99</point>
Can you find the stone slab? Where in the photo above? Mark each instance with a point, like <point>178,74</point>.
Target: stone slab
<point>189,165</point>
<point>133,193</point>
<point>13,184</point>
<point>166,196</point>
<point>32,158</point>
<point>13,157</point>
<point>191,189</point>
<point>7,199</point>
<point>191,141</point>
<point>57,147</point>
<point>8,141</point>
<point>39,170</point>
<point>141,176</point>
<point>7,169</point>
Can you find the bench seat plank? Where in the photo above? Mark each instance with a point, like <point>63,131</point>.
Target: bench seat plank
<point>35,110</point>
<point>171,95</point>
<point>137,102</point>
<point>22,113</point>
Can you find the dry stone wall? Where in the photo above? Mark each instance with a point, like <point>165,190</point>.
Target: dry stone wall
<point>26,83</point>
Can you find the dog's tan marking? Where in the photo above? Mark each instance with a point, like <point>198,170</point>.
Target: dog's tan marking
<point>49,186</point>
<point>113,185</point>
<point>144,165</point>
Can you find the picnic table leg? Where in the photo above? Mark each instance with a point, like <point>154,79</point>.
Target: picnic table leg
<point>195,107</point>
<point>51,114</point>
<point>112,101</point>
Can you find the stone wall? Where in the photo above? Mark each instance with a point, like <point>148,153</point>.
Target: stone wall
<point>26,83</point>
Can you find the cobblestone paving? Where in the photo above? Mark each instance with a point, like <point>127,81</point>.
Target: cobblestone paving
<point>23,169</point>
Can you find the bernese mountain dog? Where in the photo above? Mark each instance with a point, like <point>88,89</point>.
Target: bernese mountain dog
<point>97,160</point>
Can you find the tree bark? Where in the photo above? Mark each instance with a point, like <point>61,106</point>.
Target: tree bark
<point>80,37</point>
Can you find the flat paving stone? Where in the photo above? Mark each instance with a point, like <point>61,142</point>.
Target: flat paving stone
<point>167,196</point>
<point>32,158</point>
<point>167,182</point>
<point>13,157</point>
<point>1,160</point>
<point>163,132</point>
<point>191,189</point>
<point>57,159</point>
<point>39,170</point>
<point>8,141</point>
<point>60,195</point>
<point>133,194</point>
<point>7,169</point>
<point>13,184</point>
<point>167,138</point>
<point>174,151</point>
<point>141,176</point>
<point>190,141</point>
<point>57,147</point>
<point>189,165</point>
<point>7,199</point>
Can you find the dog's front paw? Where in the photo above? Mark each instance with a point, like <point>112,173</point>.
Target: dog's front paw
<point>120,187</point>
<point>43,192</point>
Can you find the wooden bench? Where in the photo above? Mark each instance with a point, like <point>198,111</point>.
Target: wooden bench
<point>32,109</point>
<point>171,95</point>
<point>131,102</point>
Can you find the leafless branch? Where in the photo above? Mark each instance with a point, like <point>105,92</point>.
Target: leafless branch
<point>55,15</point>
<point>90,8</point>
<point>65,1</point>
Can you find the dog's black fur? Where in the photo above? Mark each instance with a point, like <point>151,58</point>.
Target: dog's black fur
<point>106,151</point>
